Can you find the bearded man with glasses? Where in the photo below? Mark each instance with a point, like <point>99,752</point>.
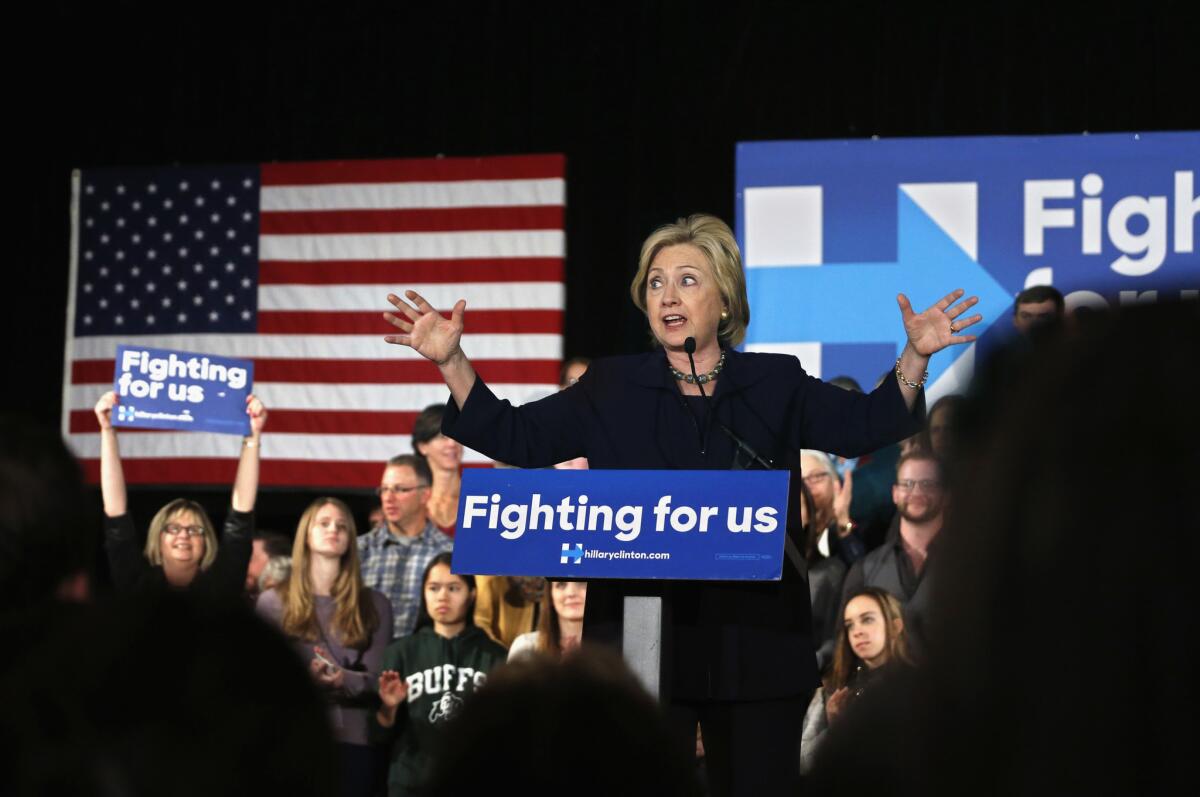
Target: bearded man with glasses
<point>901,565</point>
<point>395,553</point>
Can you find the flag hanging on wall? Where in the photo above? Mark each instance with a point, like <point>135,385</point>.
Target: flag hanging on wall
<point>289,264</point>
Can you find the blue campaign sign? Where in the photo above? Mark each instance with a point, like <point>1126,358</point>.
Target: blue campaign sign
<point>164,389</point>
<point>670,524</point>
<point>831,231</point>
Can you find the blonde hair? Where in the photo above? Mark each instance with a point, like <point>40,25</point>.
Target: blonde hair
<point>354,617</point>
<point>167,514</point>
<point>714,238</point>
<point>845,660</point>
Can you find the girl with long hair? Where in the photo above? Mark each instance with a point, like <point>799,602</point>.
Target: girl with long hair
<point>430,673</point>
<point>340,628</point>
<point>181,548</point>
<point>873,641</point>
<point>560,627</point>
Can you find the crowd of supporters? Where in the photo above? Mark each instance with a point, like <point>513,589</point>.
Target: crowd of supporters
<point>1037,519</point>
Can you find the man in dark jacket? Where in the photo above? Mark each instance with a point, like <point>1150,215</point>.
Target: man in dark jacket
<point>901,564</point>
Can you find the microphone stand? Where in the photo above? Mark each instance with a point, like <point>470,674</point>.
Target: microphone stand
<point>790,548</point>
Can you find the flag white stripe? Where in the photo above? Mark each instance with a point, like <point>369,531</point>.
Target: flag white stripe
<point>333,397</point>
<point>479,296</point>
<point>322,347</point>
<point>399,196</point>
<point>414,245</point>
<point>312,447</point>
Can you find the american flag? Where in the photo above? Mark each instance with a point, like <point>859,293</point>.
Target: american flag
<point>289,265</point>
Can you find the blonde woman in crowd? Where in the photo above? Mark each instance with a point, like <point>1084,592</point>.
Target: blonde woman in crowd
<point>181,548</point>
<point>340,629</point>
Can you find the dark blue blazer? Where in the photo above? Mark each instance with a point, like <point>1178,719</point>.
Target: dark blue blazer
<point>726,640</point>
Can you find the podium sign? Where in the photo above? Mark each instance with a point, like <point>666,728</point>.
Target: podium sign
<point>634,524</point>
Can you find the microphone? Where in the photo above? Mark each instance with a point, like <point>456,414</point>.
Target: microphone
<point>689,346</point>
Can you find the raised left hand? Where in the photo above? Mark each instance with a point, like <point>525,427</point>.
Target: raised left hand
<point>257,413</point>
<point>938,327</point>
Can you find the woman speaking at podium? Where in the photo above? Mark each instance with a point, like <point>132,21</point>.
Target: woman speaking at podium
<point>738,656</point>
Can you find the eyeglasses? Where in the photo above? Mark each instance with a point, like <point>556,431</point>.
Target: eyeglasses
<point>814,479</point>
<point>396,489</point>
<point>176,528</point>
<point>926,485</point>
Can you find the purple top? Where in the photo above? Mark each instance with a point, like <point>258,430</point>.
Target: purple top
<point>349,707</point>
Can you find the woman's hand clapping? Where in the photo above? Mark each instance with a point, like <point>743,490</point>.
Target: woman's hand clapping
<point>392,689</point>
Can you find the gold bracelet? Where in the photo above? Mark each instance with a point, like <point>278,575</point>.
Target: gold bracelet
<point>248,442</point>
<point>913,385</point>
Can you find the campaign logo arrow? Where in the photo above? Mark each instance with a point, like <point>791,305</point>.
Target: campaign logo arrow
<point>856,302</point>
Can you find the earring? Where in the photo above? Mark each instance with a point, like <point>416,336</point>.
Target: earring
<point>724,315</point>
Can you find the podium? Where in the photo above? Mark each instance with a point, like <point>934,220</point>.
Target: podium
<point>580,525</point>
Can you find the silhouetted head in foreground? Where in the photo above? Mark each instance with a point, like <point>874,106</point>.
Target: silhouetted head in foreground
<point>1066,604</point>
<point>163,696</point>
<point>586,727</point>
<point>47,533</point>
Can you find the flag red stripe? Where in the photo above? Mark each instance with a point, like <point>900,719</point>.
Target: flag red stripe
<point>522,167</point>
<point>317,222</point>
<point>361,372</point>
<point>275,472</point>
<point>497,322</point>
<point>371,272</point>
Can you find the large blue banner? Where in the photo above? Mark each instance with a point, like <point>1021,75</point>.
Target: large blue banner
<point>712,524</point>
<point>831,231</point>
<point>165,389</point>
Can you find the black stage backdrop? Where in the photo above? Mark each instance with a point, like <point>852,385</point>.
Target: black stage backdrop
<point>647,100</point>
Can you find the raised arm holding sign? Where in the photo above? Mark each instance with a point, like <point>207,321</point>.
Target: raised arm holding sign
<point>181,545</point>
<point>737,655</point>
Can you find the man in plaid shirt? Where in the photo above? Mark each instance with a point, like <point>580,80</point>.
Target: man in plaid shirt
<point>394,555</point>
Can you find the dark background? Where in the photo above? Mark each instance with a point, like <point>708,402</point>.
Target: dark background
<point>647,101</point>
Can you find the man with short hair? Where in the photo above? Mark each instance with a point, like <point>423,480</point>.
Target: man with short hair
<point>1041,306</point>
<point>901,565</point>
<point>266,546</point>
<point>394,555</point>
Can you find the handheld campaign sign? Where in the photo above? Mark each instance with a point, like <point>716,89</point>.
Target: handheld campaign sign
<point>164,389</point>
<point>670,524</point>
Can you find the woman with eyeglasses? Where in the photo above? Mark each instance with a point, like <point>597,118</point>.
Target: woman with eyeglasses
<point>830,528</point>
<point>340,628</point>
<point>181,548</point>
<point>428,674</point>
<point>560,628</point>
<point>872,641</point>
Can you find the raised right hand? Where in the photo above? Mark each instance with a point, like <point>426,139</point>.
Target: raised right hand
<point>104,409</point>
<point>392,688</point>
<point>426,331</point>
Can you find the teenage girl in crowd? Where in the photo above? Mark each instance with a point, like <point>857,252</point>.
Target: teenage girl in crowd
<point>340,628</point>
<point>561,625</point>
<point>445,458</point>
<point>428,674</point>
<point>181,547</point>
<point>872,643</point>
